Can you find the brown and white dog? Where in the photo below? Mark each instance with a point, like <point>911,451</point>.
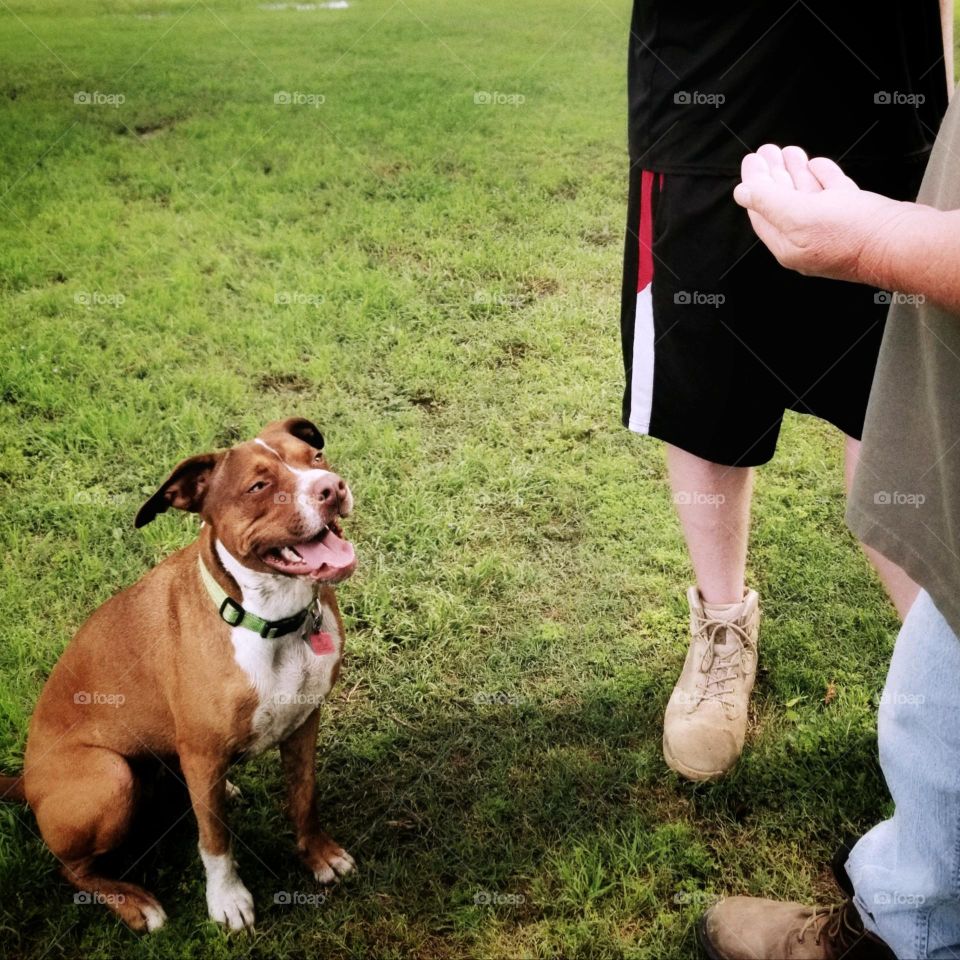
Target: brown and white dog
<point>171,668</point>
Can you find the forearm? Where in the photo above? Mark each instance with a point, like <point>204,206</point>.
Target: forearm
<point>918,252</point>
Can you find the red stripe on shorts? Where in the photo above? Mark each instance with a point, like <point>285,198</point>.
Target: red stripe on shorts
<point>645,271</point>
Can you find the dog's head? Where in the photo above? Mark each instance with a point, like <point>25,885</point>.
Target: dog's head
<point>273,502</point>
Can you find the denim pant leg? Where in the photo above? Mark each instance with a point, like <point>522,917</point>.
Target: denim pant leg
<point>906,870</point>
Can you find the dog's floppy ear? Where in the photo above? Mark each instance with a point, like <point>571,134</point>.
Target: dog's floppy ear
<point>184,488</point>
<point>303,430</point>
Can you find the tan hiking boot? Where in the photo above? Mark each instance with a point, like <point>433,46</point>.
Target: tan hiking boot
<point>748,928</point>
<point>706,719</point>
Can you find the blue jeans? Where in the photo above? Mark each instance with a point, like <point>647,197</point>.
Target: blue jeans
<point>906,870</point>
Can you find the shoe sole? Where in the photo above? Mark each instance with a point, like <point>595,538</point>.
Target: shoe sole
<point>838,866</point>
<point>699,776</point>
<point>704,940</point>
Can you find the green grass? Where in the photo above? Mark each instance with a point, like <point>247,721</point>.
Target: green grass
<point>452,272</point>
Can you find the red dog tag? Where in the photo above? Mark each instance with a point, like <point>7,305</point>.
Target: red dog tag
<point>322,643</point>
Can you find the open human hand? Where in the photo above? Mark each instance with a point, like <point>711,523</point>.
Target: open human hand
<point>813,217</point>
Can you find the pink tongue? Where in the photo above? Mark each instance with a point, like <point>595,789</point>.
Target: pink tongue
<point>332,552</point>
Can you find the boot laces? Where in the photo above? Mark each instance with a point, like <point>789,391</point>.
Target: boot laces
<point>842,929</point>
<point>721,670</point>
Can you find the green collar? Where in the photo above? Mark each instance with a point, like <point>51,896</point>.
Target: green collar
<point>231,612</point>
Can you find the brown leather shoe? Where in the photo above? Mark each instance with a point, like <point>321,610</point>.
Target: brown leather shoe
<point>749,928</point>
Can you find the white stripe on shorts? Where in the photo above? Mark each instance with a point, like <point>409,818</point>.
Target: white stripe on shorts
<point>641,381</point>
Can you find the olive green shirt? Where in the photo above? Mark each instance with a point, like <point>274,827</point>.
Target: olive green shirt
<point>906,496</point>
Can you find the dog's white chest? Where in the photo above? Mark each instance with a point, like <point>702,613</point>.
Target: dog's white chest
<point>289,678</point>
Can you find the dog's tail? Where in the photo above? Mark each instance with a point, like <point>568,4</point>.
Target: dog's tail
<point>11,790</point>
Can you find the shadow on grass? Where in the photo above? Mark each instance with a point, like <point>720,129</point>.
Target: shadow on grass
<point>471,823</point>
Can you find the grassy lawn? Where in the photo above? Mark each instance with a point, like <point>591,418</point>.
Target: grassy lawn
<point>435,281</point>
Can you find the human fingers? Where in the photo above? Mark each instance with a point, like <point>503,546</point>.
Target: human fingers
<point>796,162</point>
<point>829,174</point>
<point>773,155</point>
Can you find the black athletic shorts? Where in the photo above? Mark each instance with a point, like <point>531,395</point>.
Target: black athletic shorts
<point>719,339</point>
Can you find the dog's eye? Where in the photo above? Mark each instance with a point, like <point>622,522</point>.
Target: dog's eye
<point>258,486</point>
<point>318,457</point>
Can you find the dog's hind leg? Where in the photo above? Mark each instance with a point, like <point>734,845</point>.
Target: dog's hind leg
<point>11,789</point>
<point>83,799</point>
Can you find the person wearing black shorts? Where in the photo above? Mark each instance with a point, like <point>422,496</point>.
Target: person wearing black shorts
<point>718,340</point>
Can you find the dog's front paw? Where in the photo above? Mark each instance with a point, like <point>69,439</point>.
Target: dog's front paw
<point>333,866</point>
<point>228,901</point>
<point>231,905</point>
<point>328,860</point>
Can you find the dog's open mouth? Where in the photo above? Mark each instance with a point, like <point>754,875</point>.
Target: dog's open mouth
<point>326,556</point>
